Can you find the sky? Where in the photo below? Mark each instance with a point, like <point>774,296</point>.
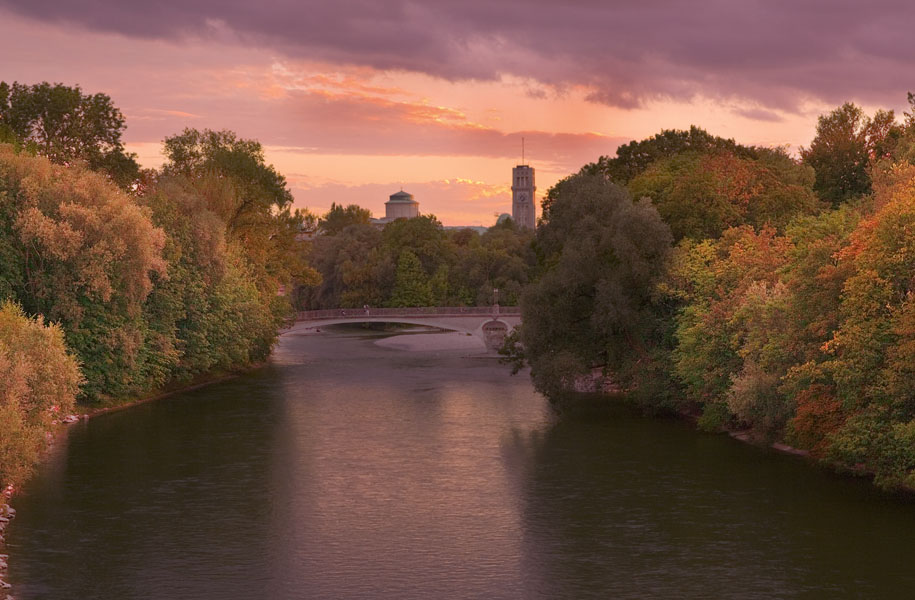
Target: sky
<point>354,100</point>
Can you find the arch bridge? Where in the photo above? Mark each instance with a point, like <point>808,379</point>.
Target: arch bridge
<point>490,324</point>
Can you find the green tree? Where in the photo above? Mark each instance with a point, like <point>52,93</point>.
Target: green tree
<point>260,188</point>
<point>423,236</point>
<point>701,195</point>
<point>354,268</point>
<point>82,253</point>
<point>252,198</point>
<point>339,218</point>
<point>731,345</point>
<point>845,146</point>
<point>411,286</point>
<point>66,125</point>
<point>592,308</point>
<point>634,158</point>
<point>502,258</point>
<point>208,313</point>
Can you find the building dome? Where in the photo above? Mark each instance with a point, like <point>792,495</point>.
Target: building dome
<point>402,196</point>
<point>401,205</point>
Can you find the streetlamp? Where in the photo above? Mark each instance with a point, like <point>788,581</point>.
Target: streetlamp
<point>495,300</point>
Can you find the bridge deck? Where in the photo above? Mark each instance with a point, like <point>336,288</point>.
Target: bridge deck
<point>419,311</point>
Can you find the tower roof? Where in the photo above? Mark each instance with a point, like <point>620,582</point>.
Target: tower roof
<point>402,197</point>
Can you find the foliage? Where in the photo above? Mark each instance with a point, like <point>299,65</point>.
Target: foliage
<point>208,313</point>
<point>194,153</point>
<point>592,307</point>
<point>358,263</point>
<point>846,144</point>
<point>251,197</point>
<point>501,259</point>
<point>39,380</point>
<point>354,269</point>
<point>701,195</point>
<point>80,252</point>
<point>730,331</point>
<point>634,158</point>
<point>66,125</point>
<point>339,218</point>
<point>411,284</point>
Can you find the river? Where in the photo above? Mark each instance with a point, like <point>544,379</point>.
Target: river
<point>344,469</point>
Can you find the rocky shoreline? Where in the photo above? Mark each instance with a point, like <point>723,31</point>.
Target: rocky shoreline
<point>7,514</point>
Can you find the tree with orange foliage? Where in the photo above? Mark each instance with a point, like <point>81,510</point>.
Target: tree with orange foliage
<point>39,380</point>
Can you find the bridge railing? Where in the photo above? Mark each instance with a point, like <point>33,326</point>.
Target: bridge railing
<point>419,311</point>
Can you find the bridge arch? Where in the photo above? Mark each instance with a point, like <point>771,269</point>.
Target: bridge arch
<point>488,324</point>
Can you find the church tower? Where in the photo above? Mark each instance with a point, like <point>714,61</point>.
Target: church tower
<point>523,211</point>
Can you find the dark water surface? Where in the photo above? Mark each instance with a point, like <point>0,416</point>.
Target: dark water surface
<point>345,470</point>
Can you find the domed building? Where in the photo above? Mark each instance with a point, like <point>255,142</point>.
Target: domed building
<point>401,206</point>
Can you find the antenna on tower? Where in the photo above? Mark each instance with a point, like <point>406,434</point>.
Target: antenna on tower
<point>522,150</point>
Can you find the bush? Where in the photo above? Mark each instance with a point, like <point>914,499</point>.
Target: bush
<point>39,379</point>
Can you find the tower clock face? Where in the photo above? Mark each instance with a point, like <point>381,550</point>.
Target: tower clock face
<point>522,197</point>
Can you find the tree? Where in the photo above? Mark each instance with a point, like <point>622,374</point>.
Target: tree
<point>846,144</point>
<point>354,269</point>
<point>260,187</point>
<point>82,253</point>
<point>412,286</point>
<point>502,258</point>
<point>66,125</point>
<point>701,195</point>
<point>208,313</point>
<point>423,236</point>
<point>252,198</point>
<point>634,158</point>
<point>731,331</point>
<point>39,380</point>
<point>855,400</point>
<point>339,218</point>
<point>602,255</point>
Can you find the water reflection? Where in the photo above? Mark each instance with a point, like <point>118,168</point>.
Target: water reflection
<point>345,470</point>
<point>629,508</point>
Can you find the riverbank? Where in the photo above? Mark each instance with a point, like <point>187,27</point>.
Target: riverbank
<point>7,513</point>
<point>597,402</point>
<point>169,390</point>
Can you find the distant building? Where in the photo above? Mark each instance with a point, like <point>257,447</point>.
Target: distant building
<point>523,189</point>
<point>400,205</point>
<point>307,232</point>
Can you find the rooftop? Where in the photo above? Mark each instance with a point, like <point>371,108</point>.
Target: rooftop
<point>402,197</point>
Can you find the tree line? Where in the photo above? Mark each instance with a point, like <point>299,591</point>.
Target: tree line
<point>738,284</point>
<point>117,281</point>
<point>415,262</point>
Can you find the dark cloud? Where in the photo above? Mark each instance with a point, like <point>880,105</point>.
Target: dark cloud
<point>775,53</point>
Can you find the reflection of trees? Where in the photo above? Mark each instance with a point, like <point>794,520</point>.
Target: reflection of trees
<point>632,508</point>
<point>162,500</point>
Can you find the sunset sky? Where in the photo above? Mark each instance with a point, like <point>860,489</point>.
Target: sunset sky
<point>354,99</point>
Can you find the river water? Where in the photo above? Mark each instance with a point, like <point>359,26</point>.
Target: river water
<point>348,470</point>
